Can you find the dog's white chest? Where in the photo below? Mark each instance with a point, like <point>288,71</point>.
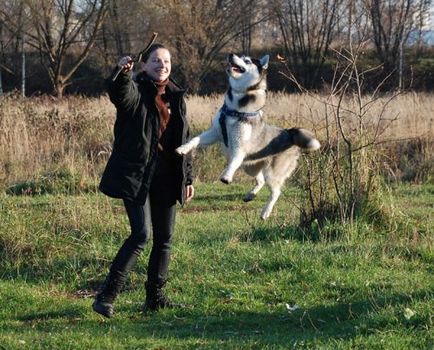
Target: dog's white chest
<point>238,132</point>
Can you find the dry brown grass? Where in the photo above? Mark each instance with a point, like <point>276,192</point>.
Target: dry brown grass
<point>41,134</point>
<point>414,112</point>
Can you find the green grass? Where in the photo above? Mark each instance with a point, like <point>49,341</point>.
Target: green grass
<point>366,289</point>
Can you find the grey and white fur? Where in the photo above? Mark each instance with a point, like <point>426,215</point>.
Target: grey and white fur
<point>264,151</point>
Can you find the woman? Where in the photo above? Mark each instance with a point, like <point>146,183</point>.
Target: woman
<point>145,172</point>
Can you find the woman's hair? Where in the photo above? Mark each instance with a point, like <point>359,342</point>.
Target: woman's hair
<point>151,49</point>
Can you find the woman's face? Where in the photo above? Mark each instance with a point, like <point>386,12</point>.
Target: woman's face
<point>158,65</point>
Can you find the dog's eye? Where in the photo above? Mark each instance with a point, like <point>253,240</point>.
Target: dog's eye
<point>246,59</point>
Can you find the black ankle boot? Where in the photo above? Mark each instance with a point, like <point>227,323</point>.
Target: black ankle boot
<point>155,297</point>
<point>102,306</point>
<point>103,303</point>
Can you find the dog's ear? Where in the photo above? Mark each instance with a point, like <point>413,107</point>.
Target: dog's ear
<point>264,61</point>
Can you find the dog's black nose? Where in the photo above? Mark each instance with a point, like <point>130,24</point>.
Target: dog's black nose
<point>231,57</point>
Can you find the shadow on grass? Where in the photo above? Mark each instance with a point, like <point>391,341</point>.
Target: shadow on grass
<point>70,313</point>
<point>219,197</point>
<point>342,321</point>
<point>219,202</point>
<point>275,233</point>
<point>274,328</point>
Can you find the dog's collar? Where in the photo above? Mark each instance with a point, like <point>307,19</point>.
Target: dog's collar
<point>242,116</point>
<point>226,111</point>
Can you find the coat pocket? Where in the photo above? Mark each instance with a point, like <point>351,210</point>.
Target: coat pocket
<point>122,178</point>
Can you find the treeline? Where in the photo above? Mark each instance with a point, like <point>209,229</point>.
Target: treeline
<point>69,47</point>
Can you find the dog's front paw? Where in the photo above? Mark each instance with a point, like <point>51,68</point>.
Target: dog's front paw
<point>184,149</point>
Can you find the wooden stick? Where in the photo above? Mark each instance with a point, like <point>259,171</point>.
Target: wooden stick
<point>139,56</point>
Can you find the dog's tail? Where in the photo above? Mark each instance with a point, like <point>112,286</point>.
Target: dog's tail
<point>286,139</point>
<point>303,138</point>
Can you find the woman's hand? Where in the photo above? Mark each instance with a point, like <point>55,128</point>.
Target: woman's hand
<point>126,63</point>
<point>189,192</point>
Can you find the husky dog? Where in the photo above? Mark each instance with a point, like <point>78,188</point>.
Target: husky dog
<point>266,152</point>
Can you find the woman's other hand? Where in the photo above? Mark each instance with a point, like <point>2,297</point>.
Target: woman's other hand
<point>189,193</point>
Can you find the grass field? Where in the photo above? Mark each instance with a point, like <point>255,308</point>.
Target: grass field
<point>247,284</point>
<point>361,281</point>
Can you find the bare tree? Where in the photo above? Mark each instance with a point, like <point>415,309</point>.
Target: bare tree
<point>6,41</point>
<point>392,22</point>
<point>200,29</point>
<point>421,21</point>
<point>63,31</point>
<point>12,37</point>
<point>120,34</point>
<point>126,27</point>
<point>2,57</point>
<point>307,28</point>
<point>353,23</point>
<point>246,28</point>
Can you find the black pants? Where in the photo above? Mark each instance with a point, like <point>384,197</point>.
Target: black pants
<point>159,213</point>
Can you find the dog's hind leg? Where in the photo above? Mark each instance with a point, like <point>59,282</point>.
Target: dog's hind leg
<point>260,181</point>
<point>274,178</point>
<point>206,138</point>
<point>274,196</point>
<point>281,168</point>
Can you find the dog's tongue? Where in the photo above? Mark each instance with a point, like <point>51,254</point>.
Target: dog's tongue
<point>235,67</point>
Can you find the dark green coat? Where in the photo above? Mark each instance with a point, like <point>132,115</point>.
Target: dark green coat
<point>131,165</point>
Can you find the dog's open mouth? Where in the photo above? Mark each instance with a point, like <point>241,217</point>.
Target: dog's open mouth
<point>236,68</point>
